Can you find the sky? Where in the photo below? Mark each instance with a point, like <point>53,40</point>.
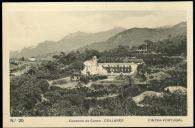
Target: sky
<point>27,28</point>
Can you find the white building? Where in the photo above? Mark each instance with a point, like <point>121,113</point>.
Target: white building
<point>32,59</point>
<point>92,67</point>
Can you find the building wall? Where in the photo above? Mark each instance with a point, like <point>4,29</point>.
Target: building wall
<point>116,67</point>
<point>92,67</point>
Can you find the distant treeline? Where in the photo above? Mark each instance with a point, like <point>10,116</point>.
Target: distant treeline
<point>158,51</point>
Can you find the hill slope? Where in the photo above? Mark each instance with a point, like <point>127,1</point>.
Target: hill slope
<point>137,36</point>
<point>70,42</point>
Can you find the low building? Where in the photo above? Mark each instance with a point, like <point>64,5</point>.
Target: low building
<point>92,67</point>
<point>32,59</point>
<point>75,76</point>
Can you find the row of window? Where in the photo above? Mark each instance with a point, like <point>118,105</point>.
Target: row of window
<point>123,70</point>
<point>116,66</point>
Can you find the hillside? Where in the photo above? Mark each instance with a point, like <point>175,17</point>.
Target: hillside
<point>70,42</point>
<point>137,36</point>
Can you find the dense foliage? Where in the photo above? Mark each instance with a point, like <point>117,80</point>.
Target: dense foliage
<point>31,94</point>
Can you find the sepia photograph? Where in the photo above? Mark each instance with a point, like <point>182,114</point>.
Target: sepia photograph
<point>88,60</point>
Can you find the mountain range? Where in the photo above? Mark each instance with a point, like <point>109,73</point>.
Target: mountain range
<point>68,43</point>
<point>137,36</point>
<point>103,40</point>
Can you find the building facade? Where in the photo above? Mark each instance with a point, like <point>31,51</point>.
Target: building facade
<point>92,67</point>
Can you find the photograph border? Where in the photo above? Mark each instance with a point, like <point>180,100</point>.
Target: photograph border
<point>127,121</point>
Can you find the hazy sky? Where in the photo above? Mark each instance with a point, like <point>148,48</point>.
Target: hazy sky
<point>28,28</point>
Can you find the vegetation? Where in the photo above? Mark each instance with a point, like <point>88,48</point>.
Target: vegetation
<point>165,65</point>
<point>86,79</point>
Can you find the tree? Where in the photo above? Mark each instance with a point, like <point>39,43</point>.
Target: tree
<point>26,93</point>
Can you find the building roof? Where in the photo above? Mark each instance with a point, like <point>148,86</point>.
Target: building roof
<point>115,64</point>
<point>125,63</point>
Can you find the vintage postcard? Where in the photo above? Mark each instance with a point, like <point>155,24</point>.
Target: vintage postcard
<point>102,64</point>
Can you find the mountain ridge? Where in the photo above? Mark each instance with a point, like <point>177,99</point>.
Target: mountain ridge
<point>102,41</point>
<point>137,36</point>
<point>68,43</point>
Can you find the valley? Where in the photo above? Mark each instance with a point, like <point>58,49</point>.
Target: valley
<point>128,77</point>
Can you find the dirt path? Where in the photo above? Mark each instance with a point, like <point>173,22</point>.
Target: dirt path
<point>68,84</point>
<point>104,97</point>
